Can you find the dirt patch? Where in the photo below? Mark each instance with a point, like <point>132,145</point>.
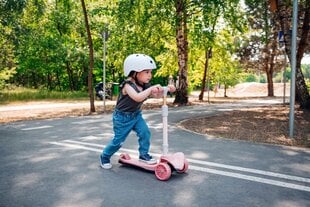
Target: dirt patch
<point>262,124</point>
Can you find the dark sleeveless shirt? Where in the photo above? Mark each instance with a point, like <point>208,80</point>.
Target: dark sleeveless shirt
<point>124,102</point>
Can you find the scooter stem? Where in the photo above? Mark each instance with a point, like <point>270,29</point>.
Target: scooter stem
<point>165,92</point>
<point>165,121</point>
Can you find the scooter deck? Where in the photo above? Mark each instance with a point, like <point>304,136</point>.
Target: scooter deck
<point>138,163</point>
<point>176,160</point>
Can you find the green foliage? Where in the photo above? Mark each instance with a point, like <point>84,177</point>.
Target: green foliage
<point>250,78</point>
<point>262,78</point>
<point>45,41</point>
<point>306,71</point>
<point>308,84</point>
<point>7,66</point>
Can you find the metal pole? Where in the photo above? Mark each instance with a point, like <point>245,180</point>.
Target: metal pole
<point>104,61</point>
<point>284,78</point>
<point>208,85</point>
<point>165,121</point>
<point>293,68</point>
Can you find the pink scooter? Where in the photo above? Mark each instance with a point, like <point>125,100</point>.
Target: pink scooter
<point>167,162</point>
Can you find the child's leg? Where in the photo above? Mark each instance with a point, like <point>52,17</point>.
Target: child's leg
<point>122,126</point>
<point>144,135</point>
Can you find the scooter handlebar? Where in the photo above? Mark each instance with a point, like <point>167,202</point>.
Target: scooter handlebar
<point>165,92</point>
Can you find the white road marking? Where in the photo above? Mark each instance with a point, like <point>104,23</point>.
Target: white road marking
<point>250,170</point>
<point>34,128</point>
<point>252,178</point>
<point>75,146</point>
<point>98,148</point>
<point>92,121</point>
<point>213,164</point>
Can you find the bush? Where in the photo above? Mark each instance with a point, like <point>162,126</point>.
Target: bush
<point>250,78</point>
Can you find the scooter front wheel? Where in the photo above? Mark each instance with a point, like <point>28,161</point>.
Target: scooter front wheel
<point>162,171</point>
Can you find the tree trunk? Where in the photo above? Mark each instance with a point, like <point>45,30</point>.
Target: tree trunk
<point>203,85</point>
<point>91,60</point>
<point>302,94</point>
<point>285,16</point>
<point>181,97</point>
<point>70,76</point>
<point>270,82</point>
<point>225,90</point>
<point>271,61</point>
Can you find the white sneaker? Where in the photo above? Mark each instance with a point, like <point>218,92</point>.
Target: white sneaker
<point>106,166</point>
<point>105,163</point>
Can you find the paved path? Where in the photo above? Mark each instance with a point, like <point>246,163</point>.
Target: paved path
<point>55,163</point>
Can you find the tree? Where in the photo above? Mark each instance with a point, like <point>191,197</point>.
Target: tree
<point>260,52</point>
<point>91,59</point>
<point>224,67</point>
<point>181,97</point>
<point>283,10</point>
<point>10,12</point>
<point>207,20</point>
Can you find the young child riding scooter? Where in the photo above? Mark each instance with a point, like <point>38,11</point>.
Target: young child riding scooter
<point>127,115</point>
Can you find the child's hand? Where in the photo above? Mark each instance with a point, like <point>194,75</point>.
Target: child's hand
<point>171,88</point>
<point>156,89</point>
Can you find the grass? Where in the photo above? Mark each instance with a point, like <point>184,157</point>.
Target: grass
<point>26,94</point>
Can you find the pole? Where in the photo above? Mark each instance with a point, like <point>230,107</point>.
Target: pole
<point>208,85</point>
<point>105,36</point>
<point>293,68</point>
<point>165,121</point>
<point>284,78</point>
<point>103,69</point>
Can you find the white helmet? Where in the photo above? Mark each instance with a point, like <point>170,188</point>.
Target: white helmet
<point>138,63</point>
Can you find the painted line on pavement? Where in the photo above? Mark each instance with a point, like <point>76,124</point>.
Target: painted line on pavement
<point>252,178</point>
<point>34,128</point>
<point>250,170</point>
<point>89,147</point>
<point>213,164</point>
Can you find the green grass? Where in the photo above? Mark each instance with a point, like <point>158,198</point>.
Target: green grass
<point>25,94</point>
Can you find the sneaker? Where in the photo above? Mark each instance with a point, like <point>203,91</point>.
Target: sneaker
<point>147,159</point>
<point>105,162</point>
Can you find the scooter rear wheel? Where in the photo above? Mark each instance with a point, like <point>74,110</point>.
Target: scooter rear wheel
<point>163,171</point>
<point>125,156</point>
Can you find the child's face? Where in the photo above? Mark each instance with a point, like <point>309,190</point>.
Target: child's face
<point>145,76</point>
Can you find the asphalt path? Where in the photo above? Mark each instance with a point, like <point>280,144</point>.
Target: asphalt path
<point>55,162</point>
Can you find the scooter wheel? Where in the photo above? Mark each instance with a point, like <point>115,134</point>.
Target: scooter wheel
<point>185,167</point>
<point>125,156</point>
<point>162,171</point>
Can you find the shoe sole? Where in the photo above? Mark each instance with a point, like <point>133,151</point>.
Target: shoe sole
<point>149,162</point>
<point>106,166</point>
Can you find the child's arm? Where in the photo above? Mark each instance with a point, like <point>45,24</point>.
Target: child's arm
<point>139,97</point>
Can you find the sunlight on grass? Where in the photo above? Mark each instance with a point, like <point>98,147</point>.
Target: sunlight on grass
<point>25,94</point>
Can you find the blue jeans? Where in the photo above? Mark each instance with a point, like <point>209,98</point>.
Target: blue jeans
<point>123,123</point>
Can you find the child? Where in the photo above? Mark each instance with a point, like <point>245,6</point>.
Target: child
<point>127,115</point>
